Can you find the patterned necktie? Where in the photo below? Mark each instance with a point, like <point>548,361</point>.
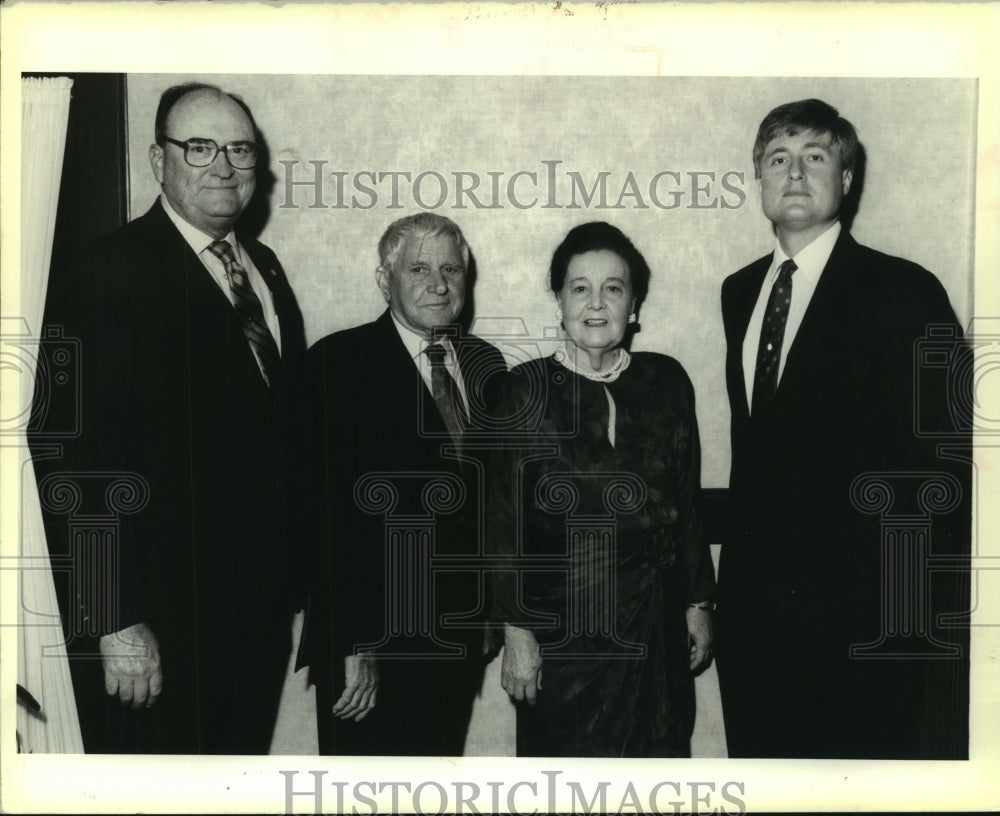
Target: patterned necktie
<point>445,391</point>
<point>250,312</point>
<point>772,333</point>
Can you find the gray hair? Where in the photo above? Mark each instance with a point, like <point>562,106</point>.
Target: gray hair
<point>420,225</point>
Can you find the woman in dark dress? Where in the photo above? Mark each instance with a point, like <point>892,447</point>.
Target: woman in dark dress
<point>608,579</point>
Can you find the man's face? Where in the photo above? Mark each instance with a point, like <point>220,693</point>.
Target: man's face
<point>802,182</point>
<point>426,286</point>
<point>210,198</point>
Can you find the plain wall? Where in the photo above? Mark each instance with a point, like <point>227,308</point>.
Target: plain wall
<point>918,200</point>
<point>918,195</point>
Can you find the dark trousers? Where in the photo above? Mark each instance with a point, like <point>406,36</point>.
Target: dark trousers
<point>221,700</point>
<point>804,706</point>
<point>422,708</point>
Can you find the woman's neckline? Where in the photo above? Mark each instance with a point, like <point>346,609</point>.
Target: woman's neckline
<point>620,364</point>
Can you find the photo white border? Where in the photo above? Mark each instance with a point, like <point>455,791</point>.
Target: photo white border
<point>558,38</point>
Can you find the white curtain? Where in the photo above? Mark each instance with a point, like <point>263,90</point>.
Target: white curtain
<point>43,669</point>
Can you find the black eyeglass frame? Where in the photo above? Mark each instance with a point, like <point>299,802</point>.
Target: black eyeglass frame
<point>186,145</point>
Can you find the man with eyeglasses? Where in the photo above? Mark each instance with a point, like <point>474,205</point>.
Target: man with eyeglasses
<point>191,341</point>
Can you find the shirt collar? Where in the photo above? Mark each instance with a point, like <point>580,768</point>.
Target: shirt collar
<point>198,241</point>
<point>813,257</point>
<point>417,343</point>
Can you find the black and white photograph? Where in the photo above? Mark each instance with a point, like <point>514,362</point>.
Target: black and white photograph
<point>499,408</point>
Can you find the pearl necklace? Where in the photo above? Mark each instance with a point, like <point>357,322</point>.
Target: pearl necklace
<point>612,374</point>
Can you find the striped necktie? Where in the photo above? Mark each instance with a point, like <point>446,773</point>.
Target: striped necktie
<point>772,334</point>
<point>250,312</point>
<point>445,391</point>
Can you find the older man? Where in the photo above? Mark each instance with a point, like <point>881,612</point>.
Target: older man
<point>827,631</point>
<point>191,344</point>
<point>397,403</point>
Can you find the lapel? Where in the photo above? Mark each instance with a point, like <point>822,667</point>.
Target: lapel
<point>286,307</point>
<point>745,291</point>
<point>466,355</point>
<point>824,316</point>
<point>413,389</point>
<point>399,366</point>
<point>818,334</point>
<point>402,378</point>
<point>179,265</point>
<point>469,351</point>
<point>204,301</point>
<point>267,266</point>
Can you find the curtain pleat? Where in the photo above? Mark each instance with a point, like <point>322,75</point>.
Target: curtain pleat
<point>43,669</point>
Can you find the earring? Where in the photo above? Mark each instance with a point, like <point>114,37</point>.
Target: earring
<point>632,318</point>
<point>559,314</point>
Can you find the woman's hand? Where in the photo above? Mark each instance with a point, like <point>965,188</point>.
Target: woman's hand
<point>699,624</point>
<point>521,670</point>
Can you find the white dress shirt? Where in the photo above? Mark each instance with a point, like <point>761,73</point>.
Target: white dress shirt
<point>200,241</point>
<point>809,262</point>
<point>416,344</point>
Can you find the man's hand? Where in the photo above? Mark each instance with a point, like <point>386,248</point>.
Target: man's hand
<point>699,624</point>
<point>132,671</point>
<point>521,670</point>
<point>360,687</point>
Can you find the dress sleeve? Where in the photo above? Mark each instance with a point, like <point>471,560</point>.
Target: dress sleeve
<point>502,486</point>
<point>695,556</point>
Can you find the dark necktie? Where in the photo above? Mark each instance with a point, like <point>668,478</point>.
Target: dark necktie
<point>250,312</point>
<point>445,391</point>
<point>772,333</point>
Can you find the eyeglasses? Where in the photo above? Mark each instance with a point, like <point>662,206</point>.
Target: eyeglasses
<point>202,152</point>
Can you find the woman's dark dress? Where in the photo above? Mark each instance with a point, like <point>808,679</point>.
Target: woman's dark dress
<point>615,676</point>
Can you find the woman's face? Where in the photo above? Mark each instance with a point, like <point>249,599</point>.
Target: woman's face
<point>596,300</point>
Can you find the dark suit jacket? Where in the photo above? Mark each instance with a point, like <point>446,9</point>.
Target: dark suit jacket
<point>372,414</point>
<point>800,575</point>
<point>171,394</point>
